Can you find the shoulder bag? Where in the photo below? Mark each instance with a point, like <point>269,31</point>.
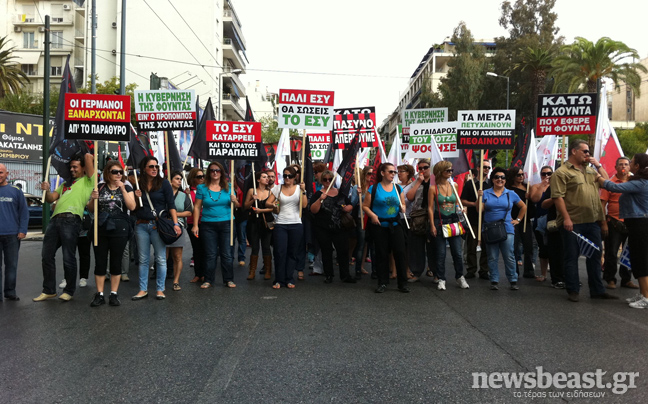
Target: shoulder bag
<point>451,227</point>
<point>164,224</point>
<point>495,232</point>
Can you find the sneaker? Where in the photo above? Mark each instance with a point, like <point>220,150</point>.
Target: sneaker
<point>573,297</point>
<point>640,304</point>
<point>461,282</point>
<point>44,296</point>
<point>98,300</point>
<point>478,249</point>
<point>514,286</point>
<point>494,286</point>
<point>435,280</point>
<point>381,289</point>
<point>83,282</point>
<point>414,280</point>
<point>634,298</point>
<point>125,278</point>
<point>63,284</point>
<point>558,285</point>
<point>66,297</point>
<point>113,300</point>
<point>192,263</point>
<point>441,285</point>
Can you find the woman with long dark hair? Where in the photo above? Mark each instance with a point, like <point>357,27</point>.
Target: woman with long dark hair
<point>114,230</point>
<point>289,230</point>
<point>259,224</point>
<point>160,194</point>
<point>214,201</point>
<point>196,177</point>
<point>383,203</point>
<point>183,209</point>
<point>633,209</point>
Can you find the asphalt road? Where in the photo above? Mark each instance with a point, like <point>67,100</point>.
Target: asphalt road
<point>318,343</point>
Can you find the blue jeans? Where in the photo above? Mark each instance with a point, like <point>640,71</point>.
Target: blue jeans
<point>508,255</point>
<point>240,234</point>
<point>9,247</point>
<point>571,251</point>
<point>146,236</point>
<point>288,239</point>
<point>216,242</point>
<point>455,250</point>
<point>62,231</point>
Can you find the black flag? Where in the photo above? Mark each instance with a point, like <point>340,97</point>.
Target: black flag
<point>198,147</point>
<point>522,146</point>
<point>346,170</point>
<point>138,148</point>
<point>174,155</point>
<point>309,176</point>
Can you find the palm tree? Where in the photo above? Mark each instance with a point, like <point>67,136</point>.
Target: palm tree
<point>538,62</point>
<point>11,77</point>
<point>583,63</point>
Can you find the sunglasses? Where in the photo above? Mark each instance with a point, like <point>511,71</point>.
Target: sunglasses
<point>199,177</point>
<point>115,172</point>
<point>392,171</point>
<point>327,179</point>
<point>289,176</point>
<point>214,170</point>
<point>546,174</point>
<point>153,167</point>
<point>449,170</point>
<point>586,151</point>
<point>423,168</point>
<point>519,175</point>
<point>499,177</point>
<point>486,167</point>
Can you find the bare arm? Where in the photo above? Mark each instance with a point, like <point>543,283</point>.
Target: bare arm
<point>562,209</point>
<point>89,165</point>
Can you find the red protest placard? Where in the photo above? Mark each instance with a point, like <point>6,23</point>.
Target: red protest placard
<point>97,117</point>
<point>234,140</point>
<point>306,97</point>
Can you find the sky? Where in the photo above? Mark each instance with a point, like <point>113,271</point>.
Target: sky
<point>365,51</point>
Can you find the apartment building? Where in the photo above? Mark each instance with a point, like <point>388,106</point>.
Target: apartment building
<point>625,107</point>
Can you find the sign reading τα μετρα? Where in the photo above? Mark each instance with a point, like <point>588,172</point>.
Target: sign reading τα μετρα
<point>160,110</point>
<point>234,140</point>
<point>566,114</point>
<point>488,129</point>
<point>306,109</point>
<point>97,117</point>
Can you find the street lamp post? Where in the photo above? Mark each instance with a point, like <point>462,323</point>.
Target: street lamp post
<point>507,100</point>
<point>220,89</point>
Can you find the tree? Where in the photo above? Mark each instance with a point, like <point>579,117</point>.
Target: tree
<point>12,79</point>
<point>536,62</point>
<point>583,63</point>
<point>462,87</point>
<point>270,132</point>
<point>22,102</point>
<point>634,140</point>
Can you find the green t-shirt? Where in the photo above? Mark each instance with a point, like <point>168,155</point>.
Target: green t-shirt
<point>73,199</point>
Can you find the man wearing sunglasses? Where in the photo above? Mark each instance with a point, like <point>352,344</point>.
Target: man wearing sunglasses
<point>575,192</point>
<point>63,230</point>
<point>469,199</point>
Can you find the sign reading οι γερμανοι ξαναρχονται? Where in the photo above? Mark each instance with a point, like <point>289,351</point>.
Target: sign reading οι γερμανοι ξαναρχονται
<point>351,122</point>
<point>566,114</point>
<point>444,134</point>
<point>160,110</point>
<point>97,117</point>
<point>234,140</point>
<point>306,109</point>
<point>487,129</point>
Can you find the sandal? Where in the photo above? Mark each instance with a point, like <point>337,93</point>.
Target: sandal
<point>176,287</point>
<point>300,275</point>
<point>276,285</point>
<point>291,286</point>
<point>540,278</point>
<point>205,285</point>
<point>364,271</point>
<point>315,274</point>
<point>230,284</point>
<point>195,279</point>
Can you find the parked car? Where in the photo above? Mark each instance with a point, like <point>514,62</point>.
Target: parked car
<point>35,205</point>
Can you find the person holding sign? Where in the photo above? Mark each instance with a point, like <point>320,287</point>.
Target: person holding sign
<point>289,230</point>
<point>63,230</point>
<point>260,223</point>
<point>196,177</point>
<point>183,211</point>
<point>157,197</point>
<point>328,207</point>
<point>498,204</point>
<point>115,200</point>
<point>383,203</point>
<point>214,201</point>
<point>442,208</point>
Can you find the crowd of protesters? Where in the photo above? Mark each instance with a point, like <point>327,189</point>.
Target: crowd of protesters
<point>395,223</point>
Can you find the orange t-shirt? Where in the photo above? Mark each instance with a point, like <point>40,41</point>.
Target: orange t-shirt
<point>612,199</point>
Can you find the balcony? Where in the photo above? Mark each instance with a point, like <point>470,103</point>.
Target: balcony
<point>35,21</point>
<point>231,107</point>
<point>231,51</point>
<point>232,26</point>
<point>232,80</point>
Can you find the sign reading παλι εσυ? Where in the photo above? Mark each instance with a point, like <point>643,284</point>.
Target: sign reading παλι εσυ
<point>319,143</point>
<point>306,109</point>
<point>234,140</point>
<point>351,122</point>
<point>97,117</point>
<point>444,133</point>
<point>161,110</point>
<point>566,114</point>
<point>491,129</point>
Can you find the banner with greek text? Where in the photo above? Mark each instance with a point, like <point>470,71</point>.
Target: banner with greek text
<point>234,140</point>
<point>21,137</point>
<point>319,143</point>
<point>486,129</point>
<point>350,122</point>
<point>97,117</point>
<point>566,114</point>
<point>444,133</point>
<point>306,109</point>
<point>165,110</point>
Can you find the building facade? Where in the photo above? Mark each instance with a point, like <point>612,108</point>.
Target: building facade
<point>625,107</point>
